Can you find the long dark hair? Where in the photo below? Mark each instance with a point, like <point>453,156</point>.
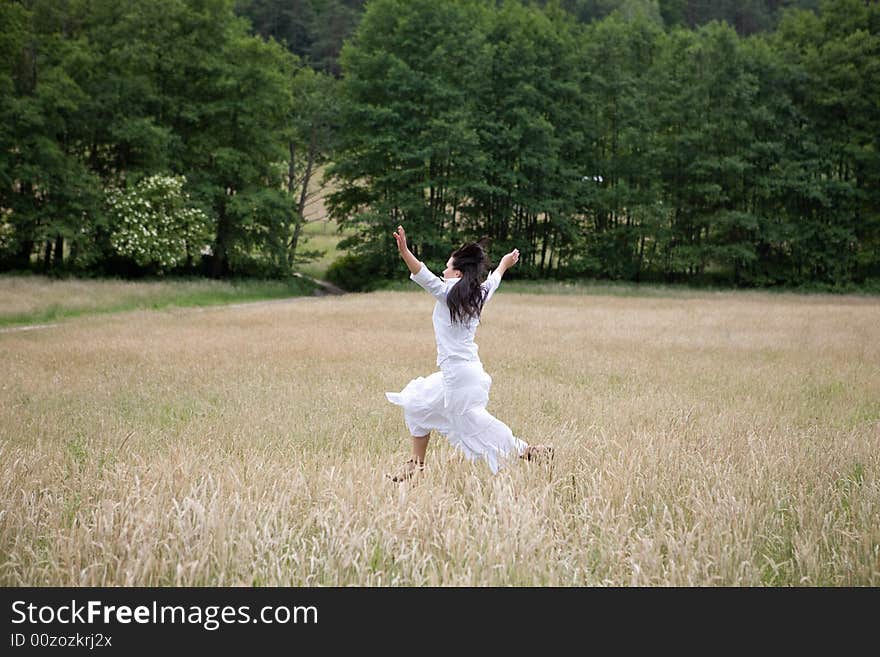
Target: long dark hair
<point>465,299</point>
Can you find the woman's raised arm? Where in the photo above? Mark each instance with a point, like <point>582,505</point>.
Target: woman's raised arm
<point>494,279</point>
<point>410,260</point>
<point>419,272</point>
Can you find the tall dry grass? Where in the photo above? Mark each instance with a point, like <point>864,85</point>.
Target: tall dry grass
<point>722,439</point>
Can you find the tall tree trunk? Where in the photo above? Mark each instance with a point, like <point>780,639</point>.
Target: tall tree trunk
<point>23,257</point>
<point>452,227</point>
<point>59,250</point>
<point>300,219</point>
<point>544,244</point>
<point>47,255</point>
<point>291,185</point>
<point>219,264</point>
<point>313,147</point>
<point>640,259</point>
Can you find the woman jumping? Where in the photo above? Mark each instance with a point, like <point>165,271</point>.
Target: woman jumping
<point>453,400</point>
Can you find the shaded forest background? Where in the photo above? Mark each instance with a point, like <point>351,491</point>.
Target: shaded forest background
<point>721,142</point>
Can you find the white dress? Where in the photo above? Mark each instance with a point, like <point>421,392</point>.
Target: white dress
<point>453,401</point>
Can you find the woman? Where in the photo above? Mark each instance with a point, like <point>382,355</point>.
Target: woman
<point>453,401</point>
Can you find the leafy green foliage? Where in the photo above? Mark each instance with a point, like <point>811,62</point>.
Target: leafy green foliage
<point>408,145</point>
<point>100,93</point>
<point>614,148</point>
<point>604,138</point>
<point>355,272</point>
<point>314,30</point>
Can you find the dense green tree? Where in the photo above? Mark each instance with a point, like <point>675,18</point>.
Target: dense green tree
<point>746,16</point>
<point>604,138</point>
<point>409,146</point>
<point>47,190</point>
<point>588,11</point>
<point>102,93</point>
<point>313,129</point>
<point>703,135</point>
<point>616,149</point>
<point>224,98</point>
<point>527,109</point>
<point>619,197</point>
<point>838,91</point>
<point>314,30</point>
<point>287,21</point>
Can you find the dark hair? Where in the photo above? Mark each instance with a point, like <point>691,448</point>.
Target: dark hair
<point>465,299</point>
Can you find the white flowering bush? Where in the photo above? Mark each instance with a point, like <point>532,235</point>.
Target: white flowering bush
<point>154,222</point>
<point>7,230</point>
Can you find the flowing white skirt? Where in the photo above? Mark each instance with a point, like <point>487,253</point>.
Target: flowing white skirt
<point>453,402</point>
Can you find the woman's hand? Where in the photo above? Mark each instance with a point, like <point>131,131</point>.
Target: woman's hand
<point>400,238</point>
<point>509,260</point>
<point>410,260</point>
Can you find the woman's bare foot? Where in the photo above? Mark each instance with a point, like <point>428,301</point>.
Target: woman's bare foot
<point>537,453</point>
<point>410,469</point>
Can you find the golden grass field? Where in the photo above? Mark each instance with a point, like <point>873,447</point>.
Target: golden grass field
<point>701,439</point>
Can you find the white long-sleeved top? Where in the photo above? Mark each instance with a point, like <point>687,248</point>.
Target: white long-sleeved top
<point>454,341</point>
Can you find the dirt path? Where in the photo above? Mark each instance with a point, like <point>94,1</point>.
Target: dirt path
<point>324,287</point>
<point>26,327</point>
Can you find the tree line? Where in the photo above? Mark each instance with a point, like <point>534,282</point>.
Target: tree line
<point>153,136</point>
<point>615,149</point>
<point>622,139</point>
<point>313,30</point>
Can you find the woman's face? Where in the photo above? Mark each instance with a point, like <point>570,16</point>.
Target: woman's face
<point>451,272</point>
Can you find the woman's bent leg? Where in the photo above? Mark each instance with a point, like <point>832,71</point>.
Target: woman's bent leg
<point>479,434</point>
